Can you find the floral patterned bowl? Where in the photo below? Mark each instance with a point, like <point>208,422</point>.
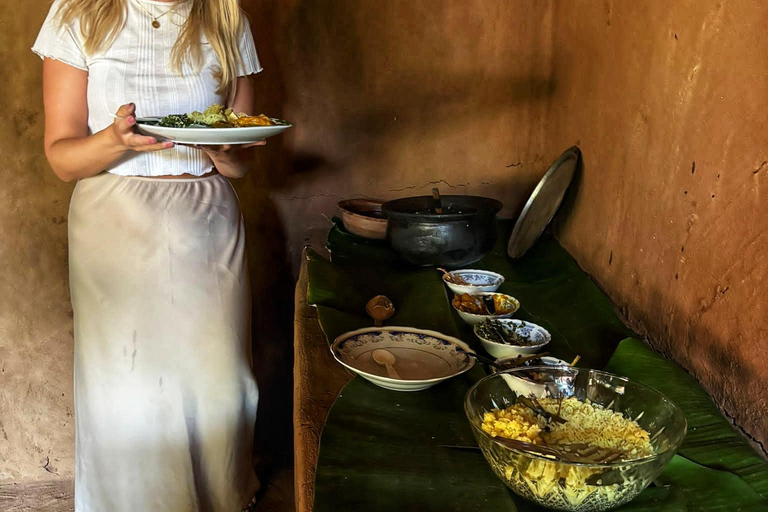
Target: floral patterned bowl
<point>535,336</point>
<point>422,358</point>
<point>479,281</point>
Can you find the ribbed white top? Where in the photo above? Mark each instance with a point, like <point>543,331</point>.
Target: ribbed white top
<point>137,68</point>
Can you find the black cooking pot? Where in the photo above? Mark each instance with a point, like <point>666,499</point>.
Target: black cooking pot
<point>462,234</point>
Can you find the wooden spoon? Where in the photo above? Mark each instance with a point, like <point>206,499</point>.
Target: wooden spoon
<point>437,204</point>
<point>455,279</point>
<point>386,359</point>
<point>380,308</point>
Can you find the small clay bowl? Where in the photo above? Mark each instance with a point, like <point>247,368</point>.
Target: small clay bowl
<point>364,218</point>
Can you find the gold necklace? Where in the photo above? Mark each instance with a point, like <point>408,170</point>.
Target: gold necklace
<point>155,22</point>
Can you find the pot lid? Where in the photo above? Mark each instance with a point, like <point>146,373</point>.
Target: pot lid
<point>543,203</point>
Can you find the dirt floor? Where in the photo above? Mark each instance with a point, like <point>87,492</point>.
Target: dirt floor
<point>277,495</point>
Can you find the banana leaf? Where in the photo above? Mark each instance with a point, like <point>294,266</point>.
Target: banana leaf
<point>711,442</point>
<point>383,450</point>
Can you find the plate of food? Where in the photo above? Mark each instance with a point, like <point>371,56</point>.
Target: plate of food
<point>214,126</point>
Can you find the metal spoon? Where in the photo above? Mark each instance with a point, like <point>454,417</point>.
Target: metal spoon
<point>387,359</point>
<point>483,359</point>
<point>140,119</point>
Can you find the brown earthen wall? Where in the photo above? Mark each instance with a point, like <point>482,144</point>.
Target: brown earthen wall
<point>669,101</point>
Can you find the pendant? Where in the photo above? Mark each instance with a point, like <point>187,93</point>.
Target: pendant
<point>155,23</point>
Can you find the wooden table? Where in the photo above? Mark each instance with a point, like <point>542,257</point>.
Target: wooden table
<point>317,381</point>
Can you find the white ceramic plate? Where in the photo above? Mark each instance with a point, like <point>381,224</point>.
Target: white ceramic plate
<point>422,358</point>
<point>211,136</point>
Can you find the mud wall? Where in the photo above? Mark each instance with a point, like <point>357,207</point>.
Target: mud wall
<point>668,101</point>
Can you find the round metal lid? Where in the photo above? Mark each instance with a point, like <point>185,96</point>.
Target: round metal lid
<point>543,203</point>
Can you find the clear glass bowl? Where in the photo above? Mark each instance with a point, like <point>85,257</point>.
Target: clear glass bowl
<point>566,485</point>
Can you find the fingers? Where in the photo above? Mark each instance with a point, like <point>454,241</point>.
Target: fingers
<point>213,149</point>
<point>135,140</point>
<point>143,144</point>
<point>126,110</point>
<point>124,126</point>
<point>227,147</point>
<point>224,148</point>
<point>126,119</point>
<point>153,147</point>
<point>254,144</point>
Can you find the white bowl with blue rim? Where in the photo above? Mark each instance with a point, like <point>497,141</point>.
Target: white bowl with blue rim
<point>533,337</point>
<point>474,318</point>
<point>478,281</point>
<point>422,358</point>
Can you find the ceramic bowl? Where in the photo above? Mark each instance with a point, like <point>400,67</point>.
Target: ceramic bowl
<point>364,218</point>
<point>573,486</point>
<point>422,358</point>
<point>479,281</point>
<point>473,319</point>
<point>532,332</point>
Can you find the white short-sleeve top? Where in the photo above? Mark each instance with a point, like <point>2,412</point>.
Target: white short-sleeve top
<point>137,68</point>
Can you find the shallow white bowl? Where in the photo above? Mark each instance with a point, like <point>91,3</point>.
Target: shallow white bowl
<point>422,358</point>
<point>473,319</point>
<point>479,281</point>
<point>529,330</point>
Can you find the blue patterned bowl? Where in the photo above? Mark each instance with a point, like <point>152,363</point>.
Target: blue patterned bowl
<point>479,281</point>
<point>422,358</point>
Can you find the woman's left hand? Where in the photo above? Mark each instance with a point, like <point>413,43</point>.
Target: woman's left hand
<point>228,159</point>
<point>226,150</point>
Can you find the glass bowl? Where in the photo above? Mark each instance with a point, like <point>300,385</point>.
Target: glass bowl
<point>566,485</point>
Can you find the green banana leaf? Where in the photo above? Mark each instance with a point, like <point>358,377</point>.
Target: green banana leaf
<point>384,450</point>
<point>712,441</point>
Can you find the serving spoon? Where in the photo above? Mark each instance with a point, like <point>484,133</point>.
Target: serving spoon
<point>386,359</point>
<point>483,359</point>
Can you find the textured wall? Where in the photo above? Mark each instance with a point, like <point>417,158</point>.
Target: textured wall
<point>391,97</point>
<point>36,428</point>
<point>669,103</point>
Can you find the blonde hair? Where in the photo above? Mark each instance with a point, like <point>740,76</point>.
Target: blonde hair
<point>221,21</point>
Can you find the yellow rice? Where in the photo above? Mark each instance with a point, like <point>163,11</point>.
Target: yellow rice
<point>586,423</point>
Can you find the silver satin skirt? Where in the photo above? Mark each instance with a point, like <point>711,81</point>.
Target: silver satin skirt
<point>165,399</point>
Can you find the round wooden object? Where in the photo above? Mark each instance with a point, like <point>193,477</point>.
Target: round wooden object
<point>380,308</point>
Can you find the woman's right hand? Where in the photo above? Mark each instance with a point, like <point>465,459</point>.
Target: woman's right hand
<point>127,139</point>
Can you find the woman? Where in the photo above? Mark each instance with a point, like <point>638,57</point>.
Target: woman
<point>165,399</point>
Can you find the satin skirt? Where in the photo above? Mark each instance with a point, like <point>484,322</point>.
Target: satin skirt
<point>165,399</point>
